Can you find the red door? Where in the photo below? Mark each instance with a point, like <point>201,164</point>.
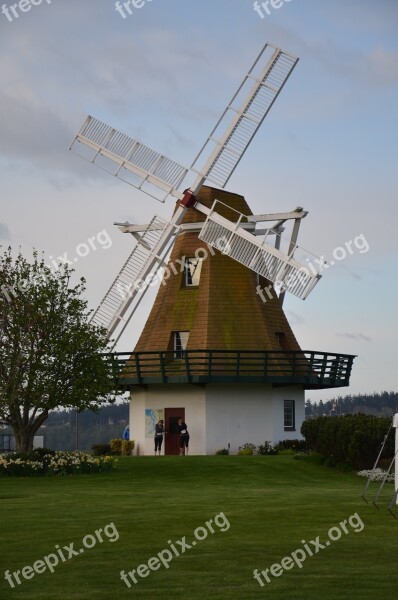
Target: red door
<point>172,438</point>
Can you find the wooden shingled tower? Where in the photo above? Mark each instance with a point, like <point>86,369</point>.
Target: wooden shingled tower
<point>224,310</point>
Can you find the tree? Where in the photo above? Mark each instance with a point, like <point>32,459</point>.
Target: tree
<point>50,354</point>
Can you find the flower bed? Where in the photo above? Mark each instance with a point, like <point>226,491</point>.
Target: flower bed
<point>47,462</point>
<point>376,475</point>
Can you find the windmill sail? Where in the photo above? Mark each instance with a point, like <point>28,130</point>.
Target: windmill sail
<point>122,156</point>
<point>259,256</point>
<point>137,273</point>
<point>238,124</point>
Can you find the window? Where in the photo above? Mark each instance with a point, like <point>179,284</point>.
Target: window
<point>180,343</point>
<point>192,269</point>
<point>289,417</point>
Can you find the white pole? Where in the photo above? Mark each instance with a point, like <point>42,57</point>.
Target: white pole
<point>395,424</point>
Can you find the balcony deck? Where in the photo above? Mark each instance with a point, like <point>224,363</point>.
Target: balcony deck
<point>313,370</point>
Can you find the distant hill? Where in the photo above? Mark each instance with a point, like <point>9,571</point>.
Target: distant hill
<point>60,428</point>
<point>380,405</point>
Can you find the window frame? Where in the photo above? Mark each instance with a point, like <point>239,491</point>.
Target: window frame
<point>289,415</point>
<point>199,263</point>
<point>178,345</point>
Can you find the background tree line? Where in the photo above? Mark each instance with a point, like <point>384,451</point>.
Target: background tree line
<point>383,404</point>
<point>59,430</point>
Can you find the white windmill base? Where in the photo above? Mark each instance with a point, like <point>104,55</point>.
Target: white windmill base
<point>218,415</point>
<point>395,424</point>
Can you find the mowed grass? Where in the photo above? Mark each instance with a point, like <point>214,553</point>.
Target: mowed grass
<point>272,504</point>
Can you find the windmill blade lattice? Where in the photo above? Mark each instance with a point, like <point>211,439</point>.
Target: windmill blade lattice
<point>153,172</point>
<point>257,255</point>
<point>124,290</point>
<point>235,138</point>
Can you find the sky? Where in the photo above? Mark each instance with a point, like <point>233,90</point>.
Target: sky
<point>164,74</point>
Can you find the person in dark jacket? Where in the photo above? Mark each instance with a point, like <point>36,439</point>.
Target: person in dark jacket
<point>159,430</point>
<point>126,433</point>
<point>184,437</point>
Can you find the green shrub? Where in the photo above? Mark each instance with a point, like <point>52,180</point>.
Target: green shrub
<point>266,449</point>
<point>296,445</point>
<point>223,451</point>
<point>101,449</point>
<point>349,439</point>
<point>127,447</point>
<point>116,446</point>
<point>245,452</point>
<point>247,449</point>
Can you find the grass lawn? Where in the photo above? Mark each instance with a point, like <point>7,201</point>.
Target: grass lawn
<point>272,504</point>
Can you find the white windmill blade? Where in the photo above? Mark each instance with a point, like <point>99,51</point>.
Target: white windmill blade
<point>257,255</point>
<point>138,271</point>
<point>298,213</point>
<point>129,160</point>
<point>238,124</point>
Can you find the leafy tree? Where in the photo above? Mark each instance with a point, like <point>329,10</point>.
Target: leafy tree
<point>50,355</point>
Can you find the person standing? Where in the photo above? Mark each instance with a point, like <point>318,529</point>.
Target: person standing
<point>159,430</point>
<point>126,433</point>
<point>184,437</point>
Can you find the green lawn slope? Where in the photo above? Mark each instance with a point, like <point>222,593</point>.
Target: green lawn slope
<point>271,503</point>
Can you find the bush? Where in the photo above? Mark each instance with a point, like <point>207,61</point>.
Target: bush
<point>247,449</point>
<point>223,451</point>
<point>101,449</point>
<point>127,447</point>
<point>245,452</point>
<point>296,445</point>
<point>267,449</point>
<point>116,446</point>
<point>350,439</point>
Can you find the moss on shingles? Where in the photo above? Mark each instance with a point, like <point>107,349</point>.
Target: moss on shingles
<point>225,311</point>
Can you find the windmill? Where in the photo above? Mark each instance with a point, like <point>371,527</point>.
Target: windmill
<point>161,177</point>
<point>211,352</point>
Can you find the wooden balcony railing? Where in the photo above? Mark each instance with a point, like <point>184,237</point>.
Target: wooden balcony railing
<point>314,370</point>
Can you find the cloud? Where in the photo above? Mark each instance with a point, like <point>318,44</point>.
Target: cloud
<point>4,232</point>
<point>360,337</point>
<point>43,111</point>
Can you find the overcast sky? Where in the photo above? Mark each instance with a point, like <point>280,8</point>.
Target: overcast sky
<point>163,75</point>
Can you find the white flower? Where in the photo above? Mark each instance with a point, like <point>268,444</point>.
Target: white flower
<point>376,474</point>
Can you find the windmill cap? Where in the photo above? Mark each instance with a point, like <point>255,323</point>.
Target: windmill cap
<point>208,195</point>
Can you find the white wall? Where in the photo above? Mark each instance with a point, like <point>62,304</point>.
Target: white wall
<point>189,397</point>
<point>237,414</point>
<point>219,415</point>
<point>137,420</point>
<point>253,413</point>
